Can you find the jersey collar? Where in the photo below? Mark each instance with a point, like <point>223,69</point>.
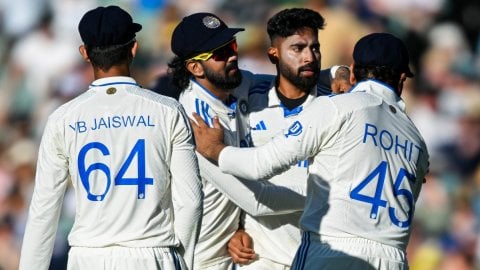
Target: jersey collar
<point>274,101</point>
<point>116,80</point>
<point>380,89</point>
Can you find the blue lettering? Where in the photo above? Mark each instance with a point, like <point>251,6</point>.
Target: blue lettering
<point>367,127</point>
<point>382,140</point>
<point>116,122</point>
<point>150,124</point>
<point>102,123</point>
<point>141,120</point>
<point>404,147</point>
<point>94,124</point>
<point>81,126</point>
<point>128,121</point>
<point>386,141</point>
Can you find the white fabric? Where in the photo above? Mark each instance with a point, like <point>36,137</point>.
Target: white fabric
<point>360,142</point>
<point>122,258</point>
<point>347,253</point>
<point>281,230</point>
<point>273,207</point>
<point>220,216</point>
<point>132,150</point>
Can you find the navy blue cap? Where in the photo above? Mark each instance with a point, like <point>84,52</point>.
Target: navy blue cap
<point>200,32</point>
<point>382,49</point>
<point>106,26</point>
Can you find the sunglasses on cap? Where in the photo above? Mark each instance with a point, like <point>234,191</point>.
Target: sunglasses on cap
<point>220,53</point>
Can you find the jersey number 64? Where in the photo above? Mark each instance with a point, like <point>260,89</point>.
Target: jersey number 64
<point>140,181</point>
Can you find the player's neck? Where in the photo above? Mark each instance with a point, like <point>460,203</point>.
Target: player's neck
<point>122,70</point>
<point>289,90</point>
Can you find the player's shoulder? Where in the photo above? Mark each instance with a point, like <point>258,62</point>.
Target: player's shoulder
<point>351,100</point>
<point>155,98</point>
<point>71,106</point>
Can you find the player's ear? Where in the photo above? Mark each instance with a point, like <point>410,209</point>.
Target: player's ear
<point>353,81</point>
<point>134,48</point>
<point>195,68</point>
<point>272,53</point>
<point>403,78</point>
<point>83,52</point>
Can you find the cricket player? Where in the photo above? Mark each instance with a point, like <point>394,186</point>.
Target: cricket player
<point>129,155</point>
<point>274,207</point>
<point>369,163</point>
<point>205,69</point>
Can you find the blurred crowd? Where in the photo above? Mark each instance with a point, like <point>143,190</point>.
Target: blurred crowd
<point>41,69</point>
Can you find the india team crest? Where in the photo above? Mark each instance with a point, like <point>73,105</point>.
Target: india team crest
<point>211,22</point>
<point>243,106</point>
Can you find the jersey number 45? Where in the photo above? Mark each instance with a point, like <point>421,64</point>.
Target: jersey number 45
<point>379,174</point>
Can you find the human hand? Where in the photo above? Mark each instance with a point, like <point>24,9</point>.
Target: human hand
<point>240,248</point>
<point>209,141</point>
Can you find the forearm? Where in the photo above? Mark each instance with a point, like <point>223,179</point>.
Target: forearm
<point>187,201</point>
<point>257,198</point>
<point>41,229</point>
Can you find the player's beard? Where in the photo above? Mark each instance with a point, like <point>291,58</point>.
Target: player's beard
<point>224,80</point>
<point>303,83</point>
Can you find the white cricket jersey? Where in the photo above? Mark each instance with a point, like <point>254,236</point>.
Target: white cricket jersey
<point>220,216</point>
<point>369,162</point>
<point>277,237</point>
<point>130,157</point>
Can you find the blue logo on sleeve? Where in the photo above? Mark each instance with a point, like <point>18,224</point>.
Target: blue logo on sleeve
<point>295,129</point>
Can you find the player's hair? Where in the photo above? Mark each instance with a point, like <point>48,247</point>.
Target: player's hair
<point>385,74</point>
<point>106,57</point>
<point>288,21</point>
<point>180,74</point>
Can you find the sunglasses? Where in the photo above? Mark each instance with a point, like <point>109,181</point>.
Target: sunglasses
<point>221,53</point>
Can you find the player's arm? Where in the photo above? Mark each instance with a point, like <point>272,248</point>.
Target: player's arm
<point>257,198</point>
<point>46,204</point>
<point>304,138</point>
<point>186,187</point>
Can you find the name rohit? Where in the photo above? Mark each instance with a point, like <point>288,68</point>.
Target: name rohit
<point>117,121</point>
<point>389,141</point>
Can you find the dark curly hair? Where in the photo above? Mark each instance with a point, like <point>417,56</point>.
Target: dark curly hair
<point>288,21</point>
<point>385,74</point>
<point>180,75</point>
<point>106,57</point>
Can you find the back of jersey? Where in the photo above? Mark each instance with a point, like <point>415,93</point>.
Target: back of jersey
<point>119,139</point>
<point>366,180</point>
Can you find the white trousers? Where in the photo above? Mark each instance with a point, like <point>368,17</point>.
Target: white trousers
<point>347,253</point>
<point>264,264</point>
<point>224,265</point>
<point>124,258</point>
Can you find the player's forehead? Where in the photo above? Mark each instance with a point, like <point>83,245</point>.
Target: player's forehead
<point>303,36</point>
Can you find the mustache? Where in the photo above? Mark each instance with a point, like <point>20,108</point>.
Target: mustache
<point>309,67</point>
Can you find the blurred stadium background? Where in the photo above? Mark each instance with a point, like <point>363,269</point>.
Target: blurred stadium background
<point>41,68</point>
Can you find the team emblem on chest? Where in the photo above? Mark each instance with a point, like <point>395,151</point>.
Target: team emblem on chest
<point>243,106</point>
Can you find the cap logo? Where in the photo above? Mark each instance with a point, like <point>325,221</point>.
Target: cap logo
<point>211,22</point>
